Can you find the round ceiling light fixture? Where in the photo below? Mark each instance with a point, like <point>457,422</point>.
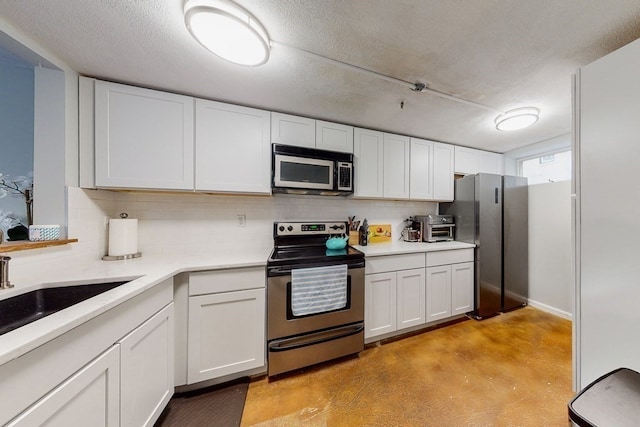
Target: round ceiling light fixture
<point>228,31</point>
<point>518,118</point>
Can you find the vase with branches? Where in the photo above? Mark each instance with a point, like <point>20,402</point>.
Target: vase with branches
<point>19,187</point>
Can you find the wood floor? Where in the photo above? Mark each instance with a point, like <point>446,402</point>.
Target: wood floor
<point>510,370</point>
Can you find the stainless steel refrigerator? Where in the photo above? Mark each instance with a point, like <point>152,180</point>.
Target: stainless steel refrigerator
<point>491,211</point>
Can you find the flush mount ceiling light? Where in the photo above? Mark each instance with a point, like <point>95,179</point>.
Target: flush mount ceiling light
<point>518,118</point>
<point>228,31</point>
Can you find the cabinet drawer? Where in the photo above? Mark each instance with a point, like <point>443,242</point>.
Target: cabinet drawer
<point>236,279</point>
<point>449,257</point>
<point>382,264</point>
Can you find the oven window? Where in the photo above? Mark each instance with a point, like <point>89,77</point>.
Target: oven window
<point>303,172</point>
<point>294,313</point>
<point>442,232</point>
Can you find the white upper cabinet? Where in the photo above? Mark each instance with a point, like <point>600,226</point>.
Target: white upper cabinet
<point>293,130</point>
<point>368,154</point>
<point>334,136</point>
<point>396,166</point>
<point>490,162</point>
<point>305,132</point>
<point>143,138</point>
<point>381,162</point>
<point>466,160</point>
<point>233,153</point>
<point>421,169</point>
<point>471,161</point>
<point>443,155</point>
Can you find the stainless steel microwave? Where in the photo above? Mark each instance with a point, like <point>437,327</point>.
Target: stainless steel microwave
<point>301,170</point>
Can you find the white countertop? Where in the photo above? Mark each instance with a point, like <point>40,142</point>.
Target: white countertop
<point>144,273</point>
<point>400,247</point>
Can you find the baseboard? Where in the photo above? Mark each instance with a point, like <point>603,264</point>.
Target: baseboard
<point>550,309</point>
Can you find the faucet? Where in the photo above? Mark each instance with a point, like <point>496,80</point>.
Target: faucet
<point>4,272</point>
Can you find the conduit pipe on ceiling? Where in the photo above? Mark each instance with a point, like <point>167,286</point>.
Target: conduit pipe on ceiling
<point>416,87</point>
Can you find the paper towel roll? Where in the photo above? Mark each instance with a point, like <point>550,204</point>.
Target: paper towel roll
<point>123,237</point>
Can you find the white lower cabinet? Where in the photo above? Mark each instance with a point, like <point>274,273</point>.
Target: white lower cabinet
<point>147,370</point>
<point>114,370</point>
<point>410,298</point>
<point>462,288</point>
<point>380,304</point>
<point>438,292</point>
<point>409,290</point>
<point>450,277</point>
<point>226,323</point>
<point>88,398</point>
<point>394,300</point>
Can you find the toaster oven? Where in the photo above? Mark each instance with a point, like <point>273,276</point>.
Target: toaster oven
<point>435,228</point>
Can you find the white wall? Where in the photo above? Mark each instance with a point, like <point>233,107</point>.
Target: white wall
<point>195,224</point>
<point>558,143</point>
<point>550,281</point>
<point>49,148</point>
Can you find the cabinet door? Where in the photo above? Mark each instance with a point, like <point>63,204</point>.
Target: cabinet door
<point>462,288</point>
<point>438,292</point>
<point>396,166</point>
<point>380,304</point>
<point>226,334</point>
<point>88,398</point>
<point>466,160</point>
<point>293,130</point>
<point>411,298</point>
<point>421,169</point>
<point>334,136</point>
<point>143,138</point>
<point>443,179</point>
<point>233,153</point>
<point>368,153</point>
<point>490,162</point>
<point>147,370</point>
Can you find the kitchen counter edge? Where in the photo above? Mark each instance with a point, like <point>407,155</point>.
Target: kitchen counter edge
<point>142,274</point>
<point>398,248</point>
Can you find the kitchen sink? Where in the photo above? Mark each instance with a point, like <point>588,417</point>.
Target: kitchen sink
<point>28,307</point>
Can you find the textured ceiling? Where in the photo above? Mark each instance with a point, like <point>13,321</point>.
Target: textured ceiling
<point>500,53</point>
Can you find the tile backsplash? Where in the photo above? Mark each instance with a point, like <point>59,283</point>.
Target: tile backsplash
<point>198,223</point>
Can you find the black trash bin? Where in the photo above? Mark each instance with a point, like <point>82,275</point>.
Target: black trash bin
<point>611,400</point>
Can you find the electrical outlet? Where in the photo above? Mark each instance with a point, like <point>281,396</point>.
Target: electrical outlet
<point>242,220</point>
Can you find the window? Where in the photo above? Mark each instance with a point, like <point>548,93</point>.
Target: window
<point>550,167</point>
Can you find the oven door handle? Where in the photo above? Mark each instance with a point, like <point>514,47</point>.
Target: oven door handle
<point>298,342</point>
<point>286,270</point>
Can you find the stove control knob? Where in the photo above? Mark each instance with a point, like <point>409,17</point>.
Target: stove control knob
<point>290,228</point>
<point>281,228</point>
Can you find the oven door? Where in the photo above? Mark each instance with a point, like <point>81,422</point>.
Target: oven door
<point>303,173</point>
<point>285,320</point>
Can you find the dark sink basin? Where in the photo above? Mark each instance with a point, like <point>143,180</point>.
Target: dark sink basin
<point>28,307</point>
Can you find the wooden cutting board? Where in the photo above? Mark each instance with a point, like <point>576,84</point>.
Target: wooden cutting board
<point>379,233</point>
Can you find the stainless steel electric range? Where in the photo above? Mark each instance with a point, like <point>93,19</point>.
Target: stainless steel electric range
<point>315,296</point>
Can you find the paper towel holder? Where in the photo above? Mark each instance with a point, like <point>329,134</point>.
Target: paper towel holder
<point>123,215</point>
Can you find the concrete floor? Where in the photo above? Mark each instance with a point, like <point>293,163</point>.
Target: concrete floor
<point>510,370</point>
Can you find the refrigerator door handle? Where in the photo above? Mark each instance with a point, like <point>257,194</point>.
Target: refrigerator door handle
<point>496,195</point>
